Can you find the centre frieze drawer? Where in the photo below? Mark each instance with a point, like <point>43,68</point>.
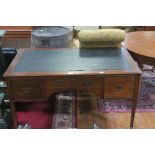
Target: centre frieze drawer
<point>118,87</point>
<point>72,82</point>
<point>64,84</point>
<point>88,82</point>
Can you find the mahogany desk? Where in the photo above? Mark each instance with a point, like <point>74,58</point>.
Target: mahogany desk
<point>36,74</point>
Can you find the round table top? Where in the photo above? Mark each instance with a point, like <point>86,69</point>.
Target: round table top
<point>141,43</point>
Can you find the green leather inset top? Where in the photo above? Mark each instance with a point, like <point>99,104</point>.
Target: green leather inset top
<point>72,60</point>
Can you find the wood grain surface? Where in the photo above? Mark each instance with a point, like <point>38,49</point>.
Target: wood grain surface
<point>141,45</point>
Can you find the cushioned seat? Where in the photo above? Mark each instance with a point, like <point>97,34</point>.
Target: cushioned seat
<point>101,38</point>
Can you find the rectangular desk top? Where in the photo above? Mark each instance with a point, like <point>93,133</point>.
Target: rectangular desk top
<point>56,61</point>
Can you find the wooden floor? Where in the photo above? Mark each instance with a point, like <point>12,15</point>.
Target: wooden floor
<point>88,115</point>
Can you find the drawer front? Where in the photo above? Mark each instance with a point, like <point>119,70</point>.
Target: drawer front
<point>26,89</point>
<point>119,87</point>
<point>53,85</point>
<point>70,82</point>
<point>87,82</point>
<point>57,82</point>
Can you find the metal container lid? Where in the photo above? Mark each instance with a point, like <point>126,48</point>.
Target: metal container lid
<point>51,31</point>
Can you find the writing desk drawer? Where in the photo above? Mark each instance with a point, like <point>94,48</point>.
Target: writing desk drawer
<point>26,89</point>
<point>72,82</point>
<point>57,82</point>
<point>87,82</point>
<point>118,87</point>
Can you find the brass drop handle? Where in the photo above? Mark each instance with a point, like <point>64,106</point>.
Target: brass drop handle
<point>27,90</point>
<point>119,87</point>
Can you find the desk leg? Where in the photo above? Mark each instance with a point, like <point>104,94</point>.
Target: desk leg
<point>99,101</point>
<point>13,110</point>
<point>134,104</point>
